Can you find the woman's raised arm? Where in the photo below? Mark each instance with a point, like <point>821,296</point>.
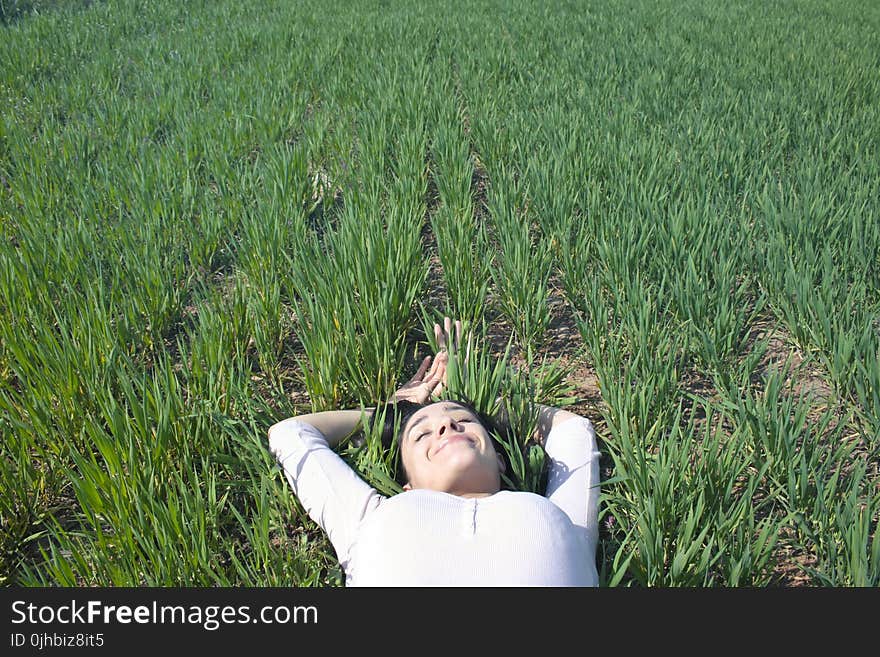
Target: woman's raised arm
<point>573,480</point>
<point>335,426</point>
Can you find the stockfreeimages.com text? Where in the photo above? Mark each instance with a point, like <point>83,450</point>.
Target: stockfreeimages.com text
<point>210,617</point>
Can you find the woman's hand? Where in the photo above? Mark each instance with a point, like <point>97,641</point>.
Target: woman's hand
<point>419,388</point>
<point>430,379</point>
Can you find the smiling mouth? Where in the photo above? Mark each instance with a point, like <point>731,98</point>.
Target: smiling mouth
<point>456,439</point>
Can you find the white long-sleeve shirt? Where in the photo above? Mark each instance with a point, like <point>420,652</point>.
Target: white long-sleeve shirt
<point>430,538</point>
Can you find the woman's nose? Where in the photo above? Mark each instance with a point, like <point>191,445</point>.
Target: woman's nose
<point>447,423</point>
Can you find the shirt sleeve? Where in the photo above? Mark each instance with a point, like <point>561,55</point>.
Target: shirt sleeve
<point>573,480</point>
<point>331,492</point>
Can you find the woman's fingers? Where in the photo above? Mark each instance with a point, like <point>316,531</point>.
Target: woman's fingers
<point>449,335</point>
<point>420,374</point>
<point>432,373</point>
<point>440,378</point>
<point>438,338</point>
<point>438,368</point>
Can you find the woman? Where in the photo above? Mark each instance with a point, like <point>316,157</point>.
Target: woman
<point>452,525</point>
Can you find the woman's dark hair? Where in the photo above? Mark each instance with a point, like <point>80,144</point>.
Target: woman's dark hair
<point>396,415</point>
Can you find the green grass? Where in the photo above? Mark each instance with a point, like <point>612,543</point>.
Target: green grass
<point>214,215</point>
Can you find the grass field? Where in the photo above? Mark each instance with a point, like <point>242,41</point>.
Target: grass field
<point>214,215</point>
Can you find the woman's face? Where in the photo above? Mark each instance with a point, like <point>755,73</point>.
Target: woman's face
<point>445,447</point>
